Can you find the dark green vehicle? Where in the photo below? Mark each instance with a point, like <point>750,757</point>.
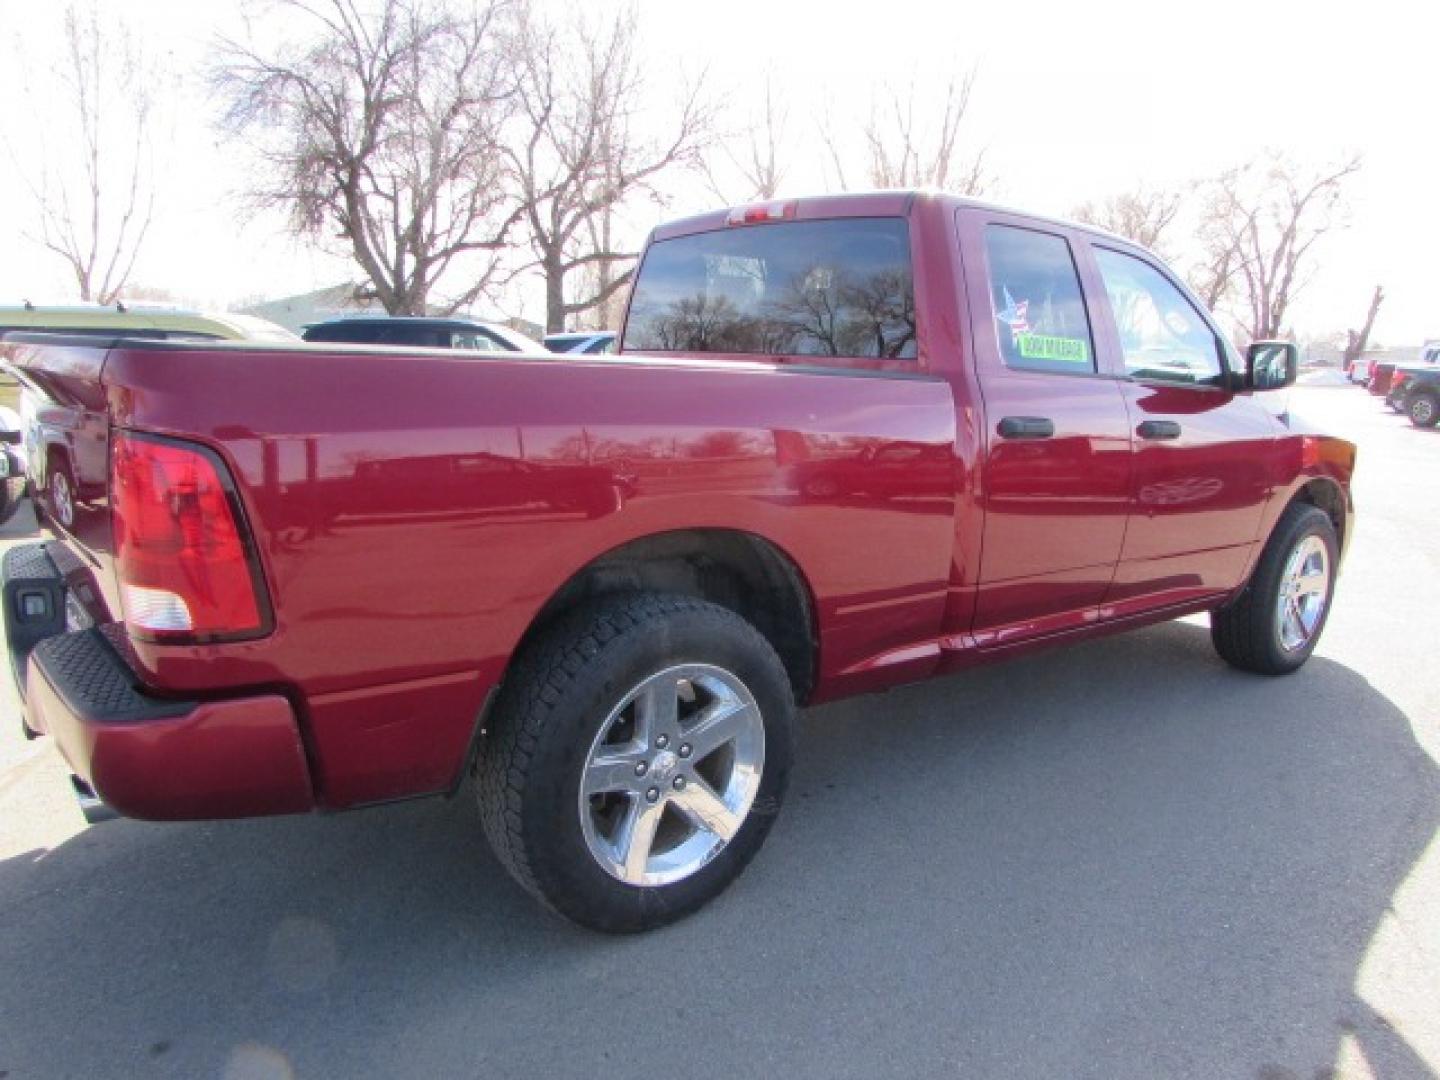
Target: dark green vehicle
<point>1415,391</point>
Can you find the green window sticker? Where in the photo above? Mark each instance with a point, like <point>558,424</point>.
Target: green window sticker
<point>1068,350</point>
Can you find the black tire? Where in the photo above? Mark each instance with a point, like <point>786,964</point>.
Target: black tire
<point>1246,632</point>
<point>61,473</point>
<point>549,712</point>
<point>1423,409</point>
<point>12,487</point>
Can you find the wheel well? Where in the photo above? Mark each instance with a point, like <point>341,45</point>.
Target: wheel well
<point>1326,494</point>
<point>735,570</point>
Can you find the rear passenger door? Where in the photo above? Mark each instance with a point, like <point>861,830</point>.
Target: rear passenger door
<point>1200,447</point>
<point>1055,479</point>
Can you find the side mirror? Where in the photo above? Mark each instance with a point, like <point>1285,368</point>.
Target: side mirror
<point>1271,365</point>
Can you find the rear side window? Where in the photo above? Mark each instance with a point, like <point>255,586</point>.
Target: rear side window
<point>1039,311</point>
<point>370,333</point>
<point>476,341</point>
<point>838,288</point>
<point>1162,336</point>
<point>339,332</point>
<point>422,337</point>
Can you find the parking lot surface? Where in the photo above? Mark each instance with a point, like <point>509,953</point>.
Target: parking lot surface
<point>1121,859</point>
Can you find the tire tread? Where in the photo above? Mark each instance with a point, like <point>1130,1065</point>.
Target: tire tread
<point>1241,631</point>
<point>538,685</point>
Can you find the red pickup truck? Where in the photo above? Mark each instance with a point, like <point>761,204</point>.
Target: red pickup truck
<point>846,442</point>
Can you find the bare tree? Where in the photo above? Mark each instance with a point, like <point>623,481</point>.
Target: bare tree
<point>1214,273</point>
<point>1357,340</point>
<point>380,127</point>
<point>907,144</point>
<point>596,278</point>
<point>95,196</point>
<point>1268,217</point>
<point>1143,215</point>
<point>754,157</point>
<point>582,151</point>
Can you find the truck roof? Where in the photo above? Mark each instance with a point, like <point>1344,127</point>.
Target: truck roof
<point>888,203</point>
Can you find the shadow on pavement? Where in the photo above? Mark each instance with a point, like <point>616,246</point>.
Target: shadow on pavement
<point>1088,863</point>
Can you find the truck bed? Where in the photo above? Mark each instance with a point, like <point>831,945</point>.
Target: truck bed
<point>413,512</point>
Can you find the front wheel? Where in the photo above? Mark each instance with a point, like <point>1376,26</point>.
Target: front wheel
<point>1272,627</point>
<point>637,757</point>
<point>1424,410</point>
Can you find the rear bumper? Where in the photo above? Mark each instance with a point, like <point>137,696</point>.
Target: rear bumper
<point>151,757</point>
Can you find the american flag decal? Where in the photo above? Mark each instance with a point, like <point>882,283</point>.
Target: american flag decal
<point>1015,314</point>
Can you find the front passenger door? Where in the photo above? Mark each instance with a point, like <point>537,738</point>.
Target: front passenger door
<point>1200,482</point>
<point>1055,478</point>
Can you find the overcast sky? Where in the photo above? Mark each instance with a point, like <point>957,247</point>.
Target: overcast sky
<point>1073,102</point>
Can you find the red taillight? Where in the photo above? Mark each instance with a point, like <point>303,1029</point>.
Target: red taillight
<point>1397,378</point>
<point>185,570</point>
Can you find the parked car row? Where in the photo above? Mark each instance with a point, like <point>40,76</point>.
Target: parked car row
<point>453,333</point>
<point>56,448</point>
<point>422,332</point>
<point>31,435</point>
<point>412,332</point>
<point>1413,388</point>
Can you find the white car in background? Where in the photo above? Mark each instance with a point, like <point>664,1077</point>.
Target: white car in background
<point>590,343</point>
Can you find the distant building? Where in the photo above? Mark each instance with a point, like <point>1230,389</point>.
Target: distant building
<point>337,301</point>
<point>297,312</point>
<point>1323,354</point>
<point>1332,354</point>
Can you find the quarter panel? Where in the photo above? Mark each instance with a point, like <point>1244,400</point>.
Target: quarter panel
<point>416,511</point>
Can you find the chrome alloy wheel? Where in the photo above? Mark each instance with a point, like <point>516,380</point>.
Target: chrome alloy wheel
<point>61,499</point>
<point>1304,591</point>
<point>670,777</point>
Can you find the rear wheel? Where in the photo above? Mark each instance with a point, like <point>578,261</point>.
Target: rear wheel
<point>1424,410</point>
<point>1272,627</point>
<point>637,757</point>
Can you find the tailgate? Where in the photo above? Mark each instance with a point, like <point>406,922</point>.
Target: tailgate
<point>65,413</point>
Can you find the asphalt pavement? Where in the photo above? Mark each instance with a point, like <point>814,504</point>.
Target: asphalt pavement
<point>1120,859</point>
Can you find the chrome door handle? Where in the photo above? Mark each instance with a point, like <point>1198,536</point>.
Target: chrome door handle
<point>1158,429</point>
<point>1026,427</point>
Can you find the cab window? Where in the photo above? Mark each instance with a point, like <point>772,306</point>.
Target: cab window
<point>1162,336</point>
<point>1036,303</point>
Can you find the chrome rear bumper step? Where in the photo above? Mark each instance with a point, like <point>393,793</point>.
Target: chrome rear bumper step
<point>91,805</point>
